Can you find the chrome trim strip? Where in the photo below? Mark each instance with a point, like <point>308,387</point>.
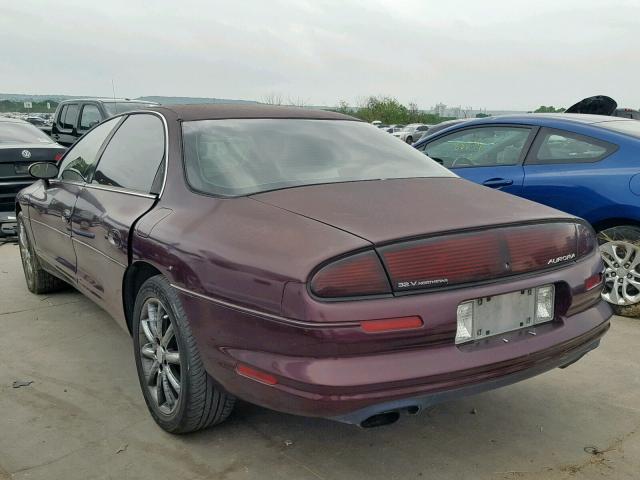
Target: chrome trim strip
<point>23,182</point>
<point>68,182</point>
<point>98,251</point>
<point>265,315</point>
<point>119,190</point>
<point>49,226</point>
<point>166,156</point>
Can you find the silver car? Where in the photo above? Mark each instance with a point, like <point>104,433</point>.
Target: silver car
<point>412,132</point>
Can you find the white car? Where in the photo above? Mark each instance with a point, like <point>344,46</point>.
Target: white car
<point>412,132</point>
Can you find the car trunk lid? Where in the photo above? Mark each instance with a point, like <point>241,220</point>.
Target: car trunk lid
<point>386,211</point>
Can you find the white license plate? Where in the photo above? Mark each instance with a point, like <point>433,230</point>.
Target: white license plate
<point>488,316</point>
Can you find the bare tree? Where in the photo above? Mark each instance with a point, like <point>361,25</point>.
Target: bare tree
<point>413,111</point>
<point>297,102</point>
<point>272,98</point>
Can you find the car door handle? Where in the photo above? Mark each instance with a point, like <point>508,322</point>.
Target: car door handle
<point>81,233</point>
<point>497,182</point>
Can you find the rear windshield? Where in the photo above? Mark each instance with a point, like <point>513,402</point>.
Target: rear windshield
<point>114,108</point>
<point>240,157</point>
<point>630,127</point>
<point>14,133</point>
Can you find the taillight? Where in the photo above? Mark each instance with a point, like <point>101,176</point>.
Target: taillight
<point>534,247</point>
<point>587,241</point>
<point>483,255</point>
<point>360,274</point>
<point>58,157</point>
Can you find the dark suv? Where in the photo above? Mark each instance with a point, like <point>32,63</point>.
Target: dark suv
<point>73,118</point>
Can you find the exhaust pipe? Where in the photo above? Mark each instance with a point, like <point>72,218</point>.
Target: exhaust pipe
<point>381,419</point>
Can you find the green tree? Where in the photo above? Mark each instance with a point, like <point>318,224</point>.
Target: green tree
<point>389,111</point>
<point>549,109</point>
<point>343,107</point>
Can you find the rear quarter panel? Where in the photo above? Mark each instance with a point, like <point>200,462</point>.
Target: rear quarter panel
<point>598,192</point>
<point>239,249</point>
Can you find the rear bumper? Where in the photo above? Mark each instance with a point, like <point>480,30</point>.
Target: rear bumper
<point>421,402</point>
<point>352,388</point>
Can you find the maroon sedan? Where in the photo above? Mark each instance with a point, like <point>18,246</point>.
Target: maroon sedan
<point>306,262</point>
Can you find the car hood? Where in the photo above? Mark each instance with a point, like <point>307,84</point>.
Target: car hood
<point>596,105</point>
<point>381,211</point>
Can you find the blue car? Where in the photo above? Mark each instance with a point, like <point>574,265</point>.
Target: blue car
<point>586,165</point>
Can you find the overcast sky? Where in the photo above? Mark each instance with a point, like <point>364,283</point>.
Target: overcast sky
<point>498,54</point>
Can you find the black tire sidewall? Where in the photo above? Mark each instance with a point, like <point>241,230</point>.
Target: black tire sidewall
<point>159,288</point>
<point>31,284</point>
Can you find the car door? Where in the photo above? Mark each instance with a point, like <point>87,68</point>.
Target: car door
<point>51,206</point>
<point>562,171</point>
<point>124,186</point>
<point>65,132</point>
<point>490,155</point>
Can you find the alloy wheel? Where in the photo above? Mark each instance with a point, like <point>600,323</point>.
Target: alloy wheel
<point>160,355</point>
<point>622,272</point>
<point>25,253</point>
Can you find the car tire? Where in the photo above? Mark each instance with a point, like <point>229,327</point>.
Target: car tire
<point>38,280</point>
<point>409,140</point>
<point>624,238</point>
<point>179,393</point>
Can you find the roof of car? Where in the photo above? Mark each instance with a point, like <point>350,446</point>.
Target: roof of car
<point>571,117</point>
<point>107,100</point>
<point>553,120</point>
<point>229,111</point>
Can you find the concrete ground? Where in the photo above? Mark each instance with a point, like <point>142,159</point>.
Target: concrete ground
<point>83,417</point>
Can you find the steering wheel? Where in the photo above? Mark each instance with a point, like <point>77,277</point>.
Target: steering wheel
<point>462,162</point>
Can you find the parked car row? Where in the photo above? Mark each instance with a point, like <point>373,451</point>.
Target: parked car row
<point>310,263</point>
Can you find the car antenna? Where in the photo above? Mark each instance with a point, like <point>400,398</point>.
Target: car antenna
<point>113,90</point>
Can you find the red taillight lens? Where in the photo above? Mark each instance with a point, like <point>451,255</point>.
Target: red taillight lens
<point>360,274</point>
<point>441,261</point>
<point>391,324</point>
<point>477,256</point>
<point>534,247</point>
<point>58,157</point>
<point>587,241</point>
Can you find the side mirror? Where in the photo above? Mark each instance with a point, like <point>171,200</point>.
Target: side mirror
<point>43,170</point>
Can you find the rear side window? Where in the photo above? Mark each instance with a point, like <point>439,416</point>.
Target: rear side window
<point>90,116</point>
<point>70,116</point>
<point>63,112</point>
<point>479,147</point>
<point>559,146</point>
<point>133,156</point>
<point>81,157</point>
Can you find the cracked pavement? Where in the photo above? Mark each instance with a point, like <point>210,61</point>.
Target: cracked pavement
<point>83,417</point>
